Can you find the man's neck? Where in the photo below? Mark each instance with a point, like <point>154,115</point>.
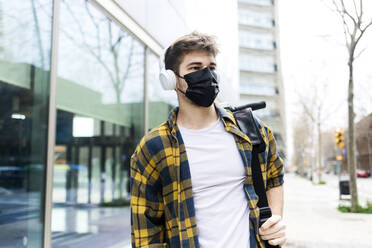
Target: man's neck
<point>194,117</point>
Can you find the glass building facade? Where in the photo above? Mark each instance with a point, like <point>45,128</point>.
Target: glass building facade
<point>25,49</point>
<point>106,95</point>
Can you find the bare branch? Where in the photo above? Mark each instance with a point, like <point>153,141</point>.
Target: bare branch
<point>308,112</point>
<point>362,32</point>
<point>96,24</point>
<point>325,2</point>
<point>359,15</point>
<point>129,65</point>
<point>85,44</point>
<point>322,99</point>
<point>347,12</point>
<point>89,49</point>
<point>38,34</point>
<point>360,53</point>
<point>361,8</point>
<point>326,116</point>
<point>346,32</point>
<point>81,30</point>
<point>345,26</point>
<point>367,26</point>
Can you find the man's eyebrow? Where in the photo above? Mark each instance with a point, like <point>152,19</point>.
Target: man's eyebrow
<point>195,63</point>
<point>199,63</point>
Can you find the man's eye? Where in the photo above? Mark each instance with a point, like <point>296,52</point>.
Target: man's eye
<point>212,68</point>
<point>195,68</point>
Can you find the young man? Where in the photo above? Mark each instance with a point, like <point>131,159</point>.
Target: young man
<point>191,177</point>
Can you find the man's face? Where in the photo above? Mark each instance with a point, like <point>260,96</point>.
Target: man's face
<point>192,62</point>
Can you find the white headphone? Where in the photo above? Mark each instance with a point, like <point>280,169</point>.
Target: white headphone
<point>168,78</point>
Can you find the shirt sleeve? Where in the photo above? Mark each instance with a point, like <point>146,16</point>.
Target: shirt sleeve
<point>275,172</point>
<point>147,208</point>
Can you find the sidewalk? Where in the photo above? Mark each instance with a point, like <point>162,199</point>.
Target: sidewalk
<point>313,219</point>
<point>364,186</point>
<point>90,227</point>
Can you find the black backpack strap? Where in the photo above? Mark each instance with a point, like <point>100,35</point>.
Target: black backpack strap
<point>248,125</point>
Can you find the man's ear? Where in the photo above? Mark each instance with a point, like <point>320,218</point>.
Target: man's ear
<point>178,82</point>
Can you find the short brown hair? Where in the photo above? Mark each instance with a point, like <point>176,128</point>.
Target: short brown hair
<point>194,41</point>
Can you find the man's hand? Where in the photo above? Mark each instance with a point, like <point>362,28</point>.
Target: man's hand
<point>273,230</point>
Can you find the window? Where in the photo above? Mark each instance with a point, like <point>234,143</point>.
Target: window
<point>256,18</point>
<point>258,2</point>
<point>100,117</point>
<point>25,50</point>
<point>259,63</point>
<point>257,85</point>
<point>256,40</point>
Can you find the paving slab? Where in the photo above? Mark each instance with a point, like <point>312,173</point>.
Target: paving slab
<point>313,219</point>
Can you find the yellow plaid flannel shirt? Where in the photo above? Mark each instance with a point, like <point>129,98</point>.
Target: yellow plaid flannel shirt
<point>162,206</point>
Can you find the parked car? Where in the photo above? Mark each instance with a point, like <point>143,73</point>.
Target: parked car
<point>362,173</point>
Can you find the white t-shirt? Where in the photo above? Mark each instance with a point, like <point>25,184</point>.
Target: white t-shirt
<point>217,175</point>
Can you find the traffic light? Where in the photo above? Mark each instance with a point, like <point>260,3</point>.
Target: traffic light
<point>339,137</point>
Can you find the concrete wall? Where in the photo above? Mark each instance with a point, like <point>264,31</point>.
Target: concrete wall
<point>164,20</point>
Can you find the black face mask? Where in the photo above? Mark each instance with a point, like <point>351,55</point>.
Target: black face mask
<point>202,87</point>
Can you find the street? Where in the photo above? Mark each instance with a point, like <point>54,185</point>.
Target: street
<point>313,219</point>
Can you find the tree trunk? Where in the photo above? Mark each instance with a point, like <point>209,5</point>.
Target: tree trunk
<point>369,153</point>
<point>319,153</point>
<point>312,160</point>
<point>351,159</point>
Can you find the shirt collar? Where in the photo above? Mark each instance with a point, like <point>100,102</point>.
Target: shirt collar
<point>225,115</point>
<point>172,120</point>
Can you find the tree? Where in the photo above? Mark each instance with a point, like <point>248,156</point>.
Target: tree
<point>354,26</point>
<point>303,144</point>
<point>329,149</point>
<point>313,102</point>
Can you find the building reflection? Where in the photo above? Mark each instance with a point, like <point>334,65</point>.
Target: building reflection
<point>93,167</point>
<point>100,101</point>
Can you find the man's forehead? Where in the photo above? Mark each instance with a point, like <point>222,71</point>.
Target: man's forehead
<point>199,57</point>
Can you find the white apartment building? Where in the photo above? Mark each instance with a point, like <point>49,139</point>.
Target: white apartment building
<point>259,63</point>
